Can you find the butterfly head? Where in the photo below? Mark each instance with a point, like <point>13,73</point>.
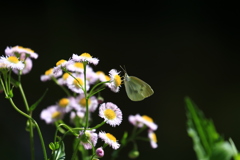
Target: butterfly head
<point>126,77</point>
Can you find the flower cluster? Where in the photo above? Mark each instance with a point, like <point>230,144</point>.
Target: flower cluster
<point>82,86</point>
<point>81,80</point>
<point>18,59</point>
<point>145,121</point>
<point>73,77</point>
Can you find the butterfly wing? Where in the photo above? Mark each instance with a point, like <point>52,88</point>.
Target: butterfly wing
<point>137,89</point>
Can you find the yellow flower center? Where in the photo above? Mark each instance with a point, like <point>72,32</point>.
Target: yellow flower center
<point>100,72</point>
<point>63,102</point>
<point>65,76</point>
<point>13,59</point>
<point>78,65</point>
<point>117,80</point>
<point>26,49</point>
<point>86,55</point>
<point>83,101</point>
<point>107,78</point>
<point>56,114</point>
<point>49,72</point>
<point>77,82</point>
<point>110,114</point>
<point>29,50</point>
<point>111,137</point>
<point>149,119</point>
<point>60,62</point>
<point>154,137</point>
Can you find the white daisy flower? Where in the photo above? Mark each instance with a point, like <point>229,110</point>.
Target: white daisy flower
<point>12,62</point>
<point>51,114</point>
<point>153,139</point>
<point>24,52</point>
<point>110,113</point>
<point>65,105</point>
<point>85,57</point>
<point>109,139</point>
<point>88,139</point>
<point>74,114</point>
<point>77,84</point>
<point>61,64</point>
<point>75,67</point>
<point>63,79</point>
<point>102,77</point>
<point>134,121</point>
<point>144,120</point>
<point>91,76</point>
<point>116,80</point>
<point>79,103</point>
<point>27,66</point>
<point>49,74</point>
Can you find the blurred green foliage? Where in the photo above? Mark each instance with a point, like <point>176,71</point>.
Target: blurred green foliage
<point>208,144</point>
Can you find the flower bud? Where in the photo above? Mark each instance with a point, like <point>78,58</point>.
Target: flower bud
<point>100,100</point>
<point>100,152</point>
<point>133,154</point>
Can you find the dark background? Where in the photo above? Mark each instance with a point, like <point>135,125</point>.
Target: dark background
<point>181,48</point>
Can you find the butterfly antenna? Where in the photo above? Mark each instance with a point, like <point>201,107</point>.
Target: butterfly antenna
<point>124,68</point>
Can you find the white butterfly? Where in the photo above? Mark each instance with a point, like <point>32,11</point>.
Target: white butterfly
<point>136,88</point>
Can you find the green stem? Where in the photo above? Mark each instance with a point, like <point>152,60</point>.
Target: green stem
<point>5,83</point>
<point>24,97</point>
<point>90,95</point>
<point>18,110</point>
<point>139,131</point>
<point>99,125</point>
<point>95,86</point>
<point>133,136</point>
<point>62,87</point>
<point>3,86</point>
<point>8,81</point>
<point>41,139</point>
<point>74,155</point>
<point>31,134</point>
<point>36,125</point>
<point>67,127</point>
<point>86,96</point>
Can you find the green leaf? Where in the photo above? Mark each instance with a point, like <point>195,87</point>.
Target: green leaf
<point>14,82</point>
<point>222,151</point>
<point>10,94</point>
<point>52,146</point>
<point>1,87</point>
<point>236,154</point>
<point>207,143</point>
<point>124,138</point>
<point>58,151</point>
<point>236,157</point>
<point>33,106</point>
<point>201,154</point>
<point>28,124</point>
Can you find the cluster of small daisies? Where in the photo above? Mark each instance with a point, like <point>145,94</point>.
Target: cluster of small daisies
<point>17,59</point>
<point>145,121</point>
<point>81,84</point>
<point>74,78</point>
<point>78,76</point>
